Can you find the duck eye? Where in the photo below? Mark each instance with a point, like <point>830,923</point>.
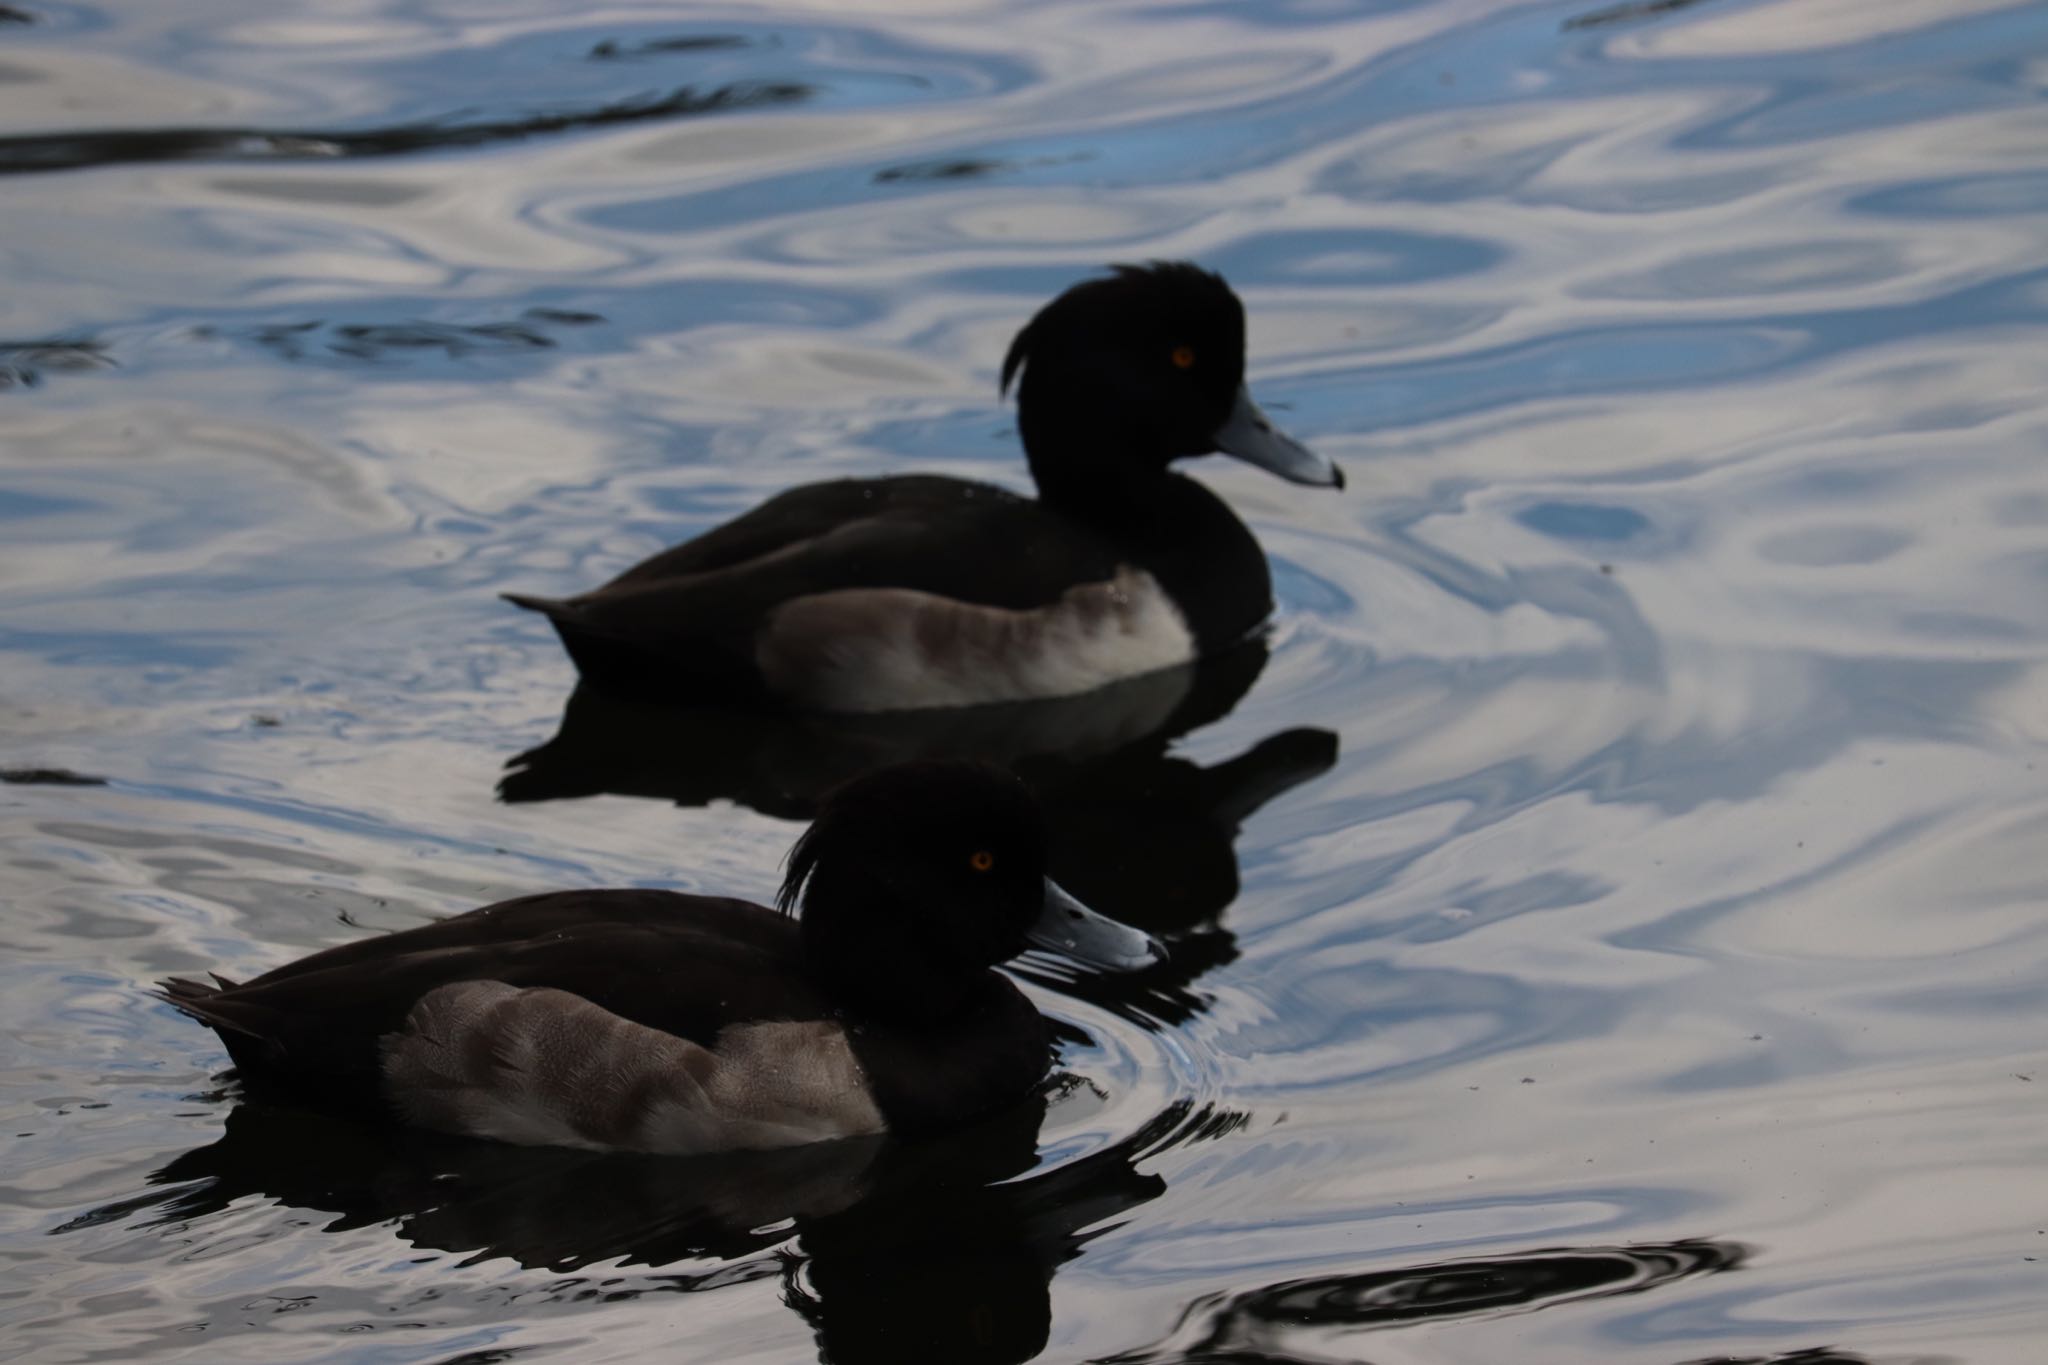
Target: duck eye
<point>981,860</point>
<point>1184,357</point>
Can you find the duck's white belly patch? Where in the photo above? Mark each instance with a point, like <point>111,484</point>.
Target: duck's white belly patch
<point>543,1067</point>
<point>899,649</point>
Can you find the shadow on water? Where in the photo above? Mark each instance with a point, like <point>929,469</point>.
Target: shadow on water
<point>384,341</point>
<point>1814,1355</point>
<point>49,777</point>
<point>1139,833</point>
<point>890,1251</point>
<point>66,151</point>
<point>1631,12</point>
<point>952,168</point>
<point>1303,1321</point>
<point>23,363</point>
<point>611,50</point>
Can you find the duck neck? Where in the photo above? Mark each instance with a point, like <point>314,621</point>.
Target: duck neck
<point>872,962</point>
<point>1162,522</point>
<point>903,994</point>
<point>1084,470</point>
<point>989,1053</point>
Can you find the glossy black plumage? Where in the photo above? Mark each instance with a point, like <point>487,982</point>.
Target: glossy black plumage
<point>914,882</point>
<point>687,619</point>
<point>687,965</point>
<point>1117,378</point>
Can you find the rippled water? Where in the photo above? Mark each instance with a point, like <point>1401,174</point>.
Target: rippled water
<point>1651,969</point>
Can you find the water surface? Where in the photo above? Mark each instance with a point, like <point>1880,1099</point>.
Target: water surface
<point>1633,948</point>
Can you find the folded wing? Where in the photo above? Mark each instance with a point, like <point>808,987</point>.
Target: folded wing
<point>539,1066</point>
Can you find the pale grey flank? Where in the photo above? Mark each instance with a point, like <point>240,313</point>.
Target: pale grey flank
<point>544,1067</point>
<point>881,649</point>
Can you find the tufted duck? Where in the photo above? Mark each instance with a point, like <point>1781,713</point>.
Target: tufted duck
<point>918,591</point>
<point>655,1021</point>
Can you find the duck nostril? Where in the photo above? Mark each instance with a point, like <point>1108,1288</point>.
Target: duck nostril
<point>1073,914</point>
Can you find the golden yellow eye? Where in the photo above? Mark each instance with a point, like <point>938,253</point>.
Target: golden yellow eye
<point>981,860</point>
<point>1184,357</point>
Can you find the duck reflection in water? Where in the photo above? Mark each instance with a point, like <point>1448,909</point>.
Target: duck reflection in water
<point>891,1250</point>
<point>1143,835</point>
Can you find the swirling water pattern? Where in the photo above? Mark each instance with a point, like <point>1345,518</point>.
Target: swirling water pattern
<point>1658,975</point>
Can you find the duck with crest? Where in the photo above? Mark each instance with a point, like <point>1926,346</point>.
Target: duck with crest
<point>919,591</point>
<point>655,1021</point>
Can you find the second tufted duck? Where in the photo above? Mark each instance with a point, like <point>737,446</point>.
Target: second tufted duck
<point>655,1021</point>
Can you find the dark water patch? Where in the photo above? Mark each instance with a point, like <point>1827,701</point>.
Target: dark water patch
<point>958,168</point>
<point>613,50</point>
<point>591,318</point>
<point>954,170</point>
<point>1306,1320</point>
<point>10,15</point>
<point>41,152</point>
<point>49,777</point>
<point>373,341</point>
<point>1821,1355</point>
<point>23,363</point>
<point>112,1212</point>
<point>1629,13</point>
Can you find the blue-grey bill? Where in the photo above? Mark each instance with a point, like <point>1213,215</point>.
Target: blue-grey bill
<point>1251,436</point>
<point>1070,928</point>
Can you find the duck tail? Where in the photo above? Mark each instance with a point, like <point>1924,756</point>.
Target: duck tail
<point>245,1029</point>
<point>201,1000</point>
<point>621,664</point>
<point>564,615</point>
<point>554,608</point>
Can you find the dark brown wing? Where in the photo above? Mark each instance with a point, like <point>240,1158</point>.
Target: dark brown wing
<point>692,612</point>
<point>687,965</point>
